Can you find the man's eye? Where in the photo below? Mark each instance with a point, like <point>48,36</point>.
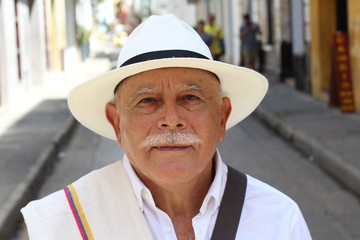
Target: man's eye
<point>147,100</point>
<point>191,97</point>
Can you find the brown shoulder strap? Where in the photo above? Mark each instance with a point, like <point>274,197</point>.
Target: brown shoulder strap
<point>232,202</point>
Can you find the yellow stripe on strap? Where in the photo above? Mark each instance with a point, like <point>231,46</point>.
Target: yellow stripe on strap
<point>78,213</point>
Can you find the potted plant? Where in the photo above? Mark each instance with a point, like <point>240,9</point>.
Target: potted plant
<point>82,37</point>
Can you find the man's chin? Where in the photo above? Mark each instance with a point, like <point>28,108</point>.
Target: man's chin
<point>173,174</point>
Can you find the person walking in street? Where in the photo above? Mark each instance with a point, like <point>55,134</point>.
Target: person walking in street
<point>248,32</point>
<point>168,105</point>
<point>207,38</point>
<point>218,46</point>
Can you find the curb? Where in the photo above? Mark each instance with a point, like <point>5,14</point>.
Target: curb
<point>330,162</point>
<point>10,215</point>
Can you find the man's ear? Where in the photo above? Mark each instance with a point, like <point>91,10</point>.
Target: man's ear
<point>225,113</point>
<point>113,117</point>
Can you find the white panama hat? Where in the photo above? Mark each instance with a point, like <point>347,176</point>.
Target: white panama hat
<point>160,42</point>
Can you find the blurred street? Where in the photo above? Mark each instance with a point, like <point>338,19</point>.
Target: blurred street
<point>273,154</point>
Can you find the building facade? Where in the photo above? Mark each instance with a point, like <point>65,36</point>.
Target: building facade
<point>37,37</point>
<point>328,19</point>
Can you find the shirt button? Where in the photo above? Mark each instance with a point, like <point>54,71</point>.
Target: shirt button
<point>167,229</point>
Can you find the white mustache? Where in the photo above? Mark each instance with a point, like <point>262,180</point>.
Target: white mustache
<point>170,138</point>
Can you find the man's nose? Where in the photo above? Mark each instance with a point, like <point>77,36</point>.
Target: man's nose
<point>171,118</point>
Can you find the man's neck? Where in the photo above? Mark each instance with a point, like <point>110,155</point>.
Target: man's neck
<point>183,199</point>
<point>182,202</point>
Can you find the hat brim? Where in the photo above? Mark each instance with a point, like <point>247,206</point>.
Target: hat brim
<point>245,88</point>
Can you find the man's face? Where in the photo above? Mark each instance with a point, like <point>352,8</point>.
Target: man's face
<point>169,122</point>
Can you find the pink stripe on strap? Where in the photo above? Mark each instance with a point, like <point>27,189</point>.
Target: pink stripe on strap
<point>78,213</point>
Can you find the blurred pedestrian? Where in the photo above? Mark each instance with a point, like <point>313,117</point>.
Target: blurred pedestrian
<point>249,45</point>
<point>168,105</point>
<point>207,38</point>
<point>218,45</point>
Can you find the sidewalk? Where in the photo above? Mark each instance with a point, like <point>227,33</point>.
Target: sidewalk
<point>32,134</point>
<point>329,138</point>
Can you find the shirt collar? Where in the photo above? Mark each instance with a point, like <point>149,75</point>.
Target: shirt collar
<point>138,186</point>
<point>211,201</point>
<point>213,197</point>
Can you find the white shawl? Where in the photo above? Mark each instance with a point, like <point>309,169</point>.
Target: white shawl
<point>105,208</point>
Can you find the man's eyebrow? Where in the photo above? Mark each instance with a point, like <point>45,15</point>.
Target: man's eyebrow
<point>141,91</point>
<point>192,86</point>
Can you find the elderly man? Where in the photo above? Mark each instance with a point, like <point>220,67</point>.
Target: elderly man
<point>167,105</point>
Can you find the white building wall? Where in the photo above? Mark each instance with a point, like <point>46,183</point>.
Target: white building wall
<point>201,11</point>
<point>71,54</point>
<point>180,8</point>
<point>274,63</point>
<point>25,42</point>
<point>237,20</point>
<point>83,13</point>
<point>37,44</point>
<point>2,60</point>
<point>9,74</point>
<point>107,6</point>
<point>260,16</point>
<point>160,7</point>
<point>228,24</point>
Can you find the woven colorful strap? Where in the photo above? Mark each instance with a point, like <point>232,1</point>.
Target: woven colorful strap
<point>78,213</point>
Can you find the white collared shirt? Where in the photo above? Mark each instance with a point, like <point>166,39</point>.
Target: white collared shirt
<point>267,213</point>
